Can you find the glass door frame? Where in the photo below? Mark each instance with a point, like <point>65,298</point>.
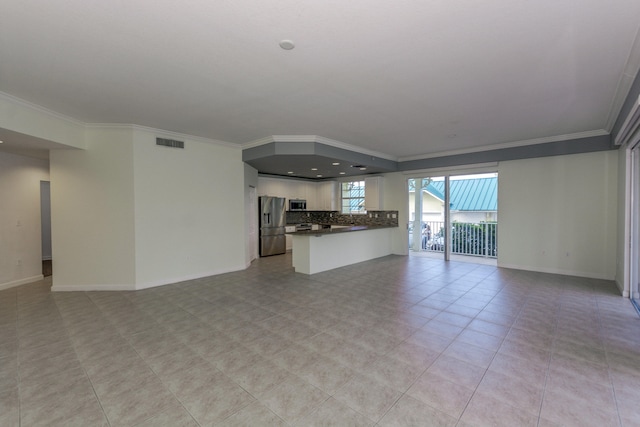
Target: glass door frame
<point>447,173</point>
<point>632,224</point>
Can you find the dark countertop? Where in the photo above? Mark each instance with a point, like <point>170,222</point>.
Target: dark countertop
<point>342,229</point>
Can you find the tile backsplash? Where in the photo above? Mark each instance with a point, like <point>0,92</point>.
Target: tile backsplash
<point>389,218</point>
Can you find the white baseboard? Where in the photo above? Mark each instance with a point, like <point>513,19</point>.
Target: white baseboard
<point>24,281</point>
<point>97,287</point>
<point>620,286</point>
<point>557,271</point>
<point>173,280</point>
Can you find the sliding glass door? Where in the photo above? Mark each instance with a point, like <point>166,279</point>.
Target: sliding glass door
<point>634,216</point>
<point>455,214</point>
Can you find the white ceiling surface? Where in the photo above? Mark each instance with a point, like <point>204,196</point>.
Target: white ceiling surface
<point>405,78</point>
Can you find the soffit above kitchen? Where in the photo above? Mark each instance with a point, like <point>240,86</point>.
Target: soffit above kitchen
<point>314,157</point>
<point>409,79</point>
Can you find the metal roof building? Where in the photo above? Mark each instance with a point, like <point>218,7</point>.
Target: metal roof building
<point>471,195</point>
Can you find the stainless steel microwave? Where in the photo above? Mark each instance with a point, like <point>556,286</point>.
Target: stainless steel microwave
<point>297,205</point>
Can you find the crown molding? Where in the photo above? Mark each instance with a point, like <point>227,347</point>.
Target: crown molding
<point>557,138</point>
<point>39,109</point>
<point>319,140</point>
<point>86,126</point>
<point>161,132</point>
<point>345,146</point>
<point>471,169</point>
<point>257,142</point>
<point>625,83</point>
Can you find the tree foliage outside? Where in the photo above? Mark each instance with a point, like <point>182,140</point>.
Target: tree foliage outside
<point>474,239</point>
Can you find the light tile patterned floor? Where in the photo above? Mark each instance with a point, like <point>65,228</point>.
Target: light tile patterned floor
<point>399,341</point>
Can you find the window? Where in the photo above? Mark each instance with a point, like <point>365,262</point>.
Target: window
<point>352,196</point>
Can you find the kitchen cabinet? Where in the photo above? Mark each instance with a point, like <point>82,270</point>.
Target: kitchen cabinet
<point>273,187</point>
<point>288,188</point>
<point>326,192</point>
<point>373,190</point>
<point>288,238</point>
<point>333,250</point>
<point>320,196</point>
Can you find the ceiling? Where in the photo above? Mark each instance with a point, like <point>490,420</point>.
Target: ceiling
<point>404,79</point>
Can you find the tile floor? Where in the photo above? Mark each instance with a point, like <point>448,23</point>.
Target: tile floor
<point>400,341</point>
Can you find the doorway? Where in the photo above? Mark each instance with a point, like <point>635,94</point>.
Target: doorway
<point>45,227</point>
<point>454,216</point>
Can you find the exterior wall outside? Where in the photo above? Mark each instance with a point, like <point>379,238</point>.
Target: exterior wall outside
<point>20,228</point>
<point>474,217</point>
<point>432,208</point>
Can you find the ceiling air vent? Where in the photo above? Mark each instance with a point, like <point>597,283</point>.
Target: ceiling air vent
<point>169,143</point>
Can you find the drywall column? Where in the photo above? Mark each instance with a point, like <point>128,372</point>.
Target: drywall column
<point>92,213</point>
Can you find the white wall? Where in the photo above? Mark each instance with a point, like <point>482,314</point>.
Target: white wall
<point>92,213</point>
<point>128,214</point>
<point>250,214</point>
<point>620,230</point>
<point>20,116</point>
<point>189,210</point>
<point>20,244</point>
<point>396,197</point>
<point>559,214</point>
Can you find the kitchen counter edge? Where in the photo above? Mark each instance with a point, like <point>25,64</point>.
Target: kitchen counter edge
<point>326,231</point>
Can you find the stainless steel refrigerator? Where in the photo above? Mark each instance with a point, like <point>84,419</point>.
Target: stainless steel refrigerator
<point>272,222</point>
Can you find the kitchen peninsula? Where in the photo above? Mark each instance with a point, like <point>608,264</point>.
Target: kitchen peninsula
<point>343,244</point>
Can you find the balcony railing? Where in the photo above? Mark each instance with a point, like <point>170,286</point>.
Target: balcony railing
<point>466,238</point>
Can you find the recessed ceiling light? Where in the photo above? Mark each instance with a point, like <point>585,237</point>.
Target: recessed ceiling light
<point>314,169</point>
<point>363,169</point>
<point>319,176</point>
<point>287,44</point>
<point>335,163</point>
<point>290,172</point>
<point>343,173</point>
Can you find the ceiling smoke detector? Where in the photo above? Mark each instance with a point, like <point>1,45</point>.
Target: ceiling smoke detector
<point>287,44</point>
